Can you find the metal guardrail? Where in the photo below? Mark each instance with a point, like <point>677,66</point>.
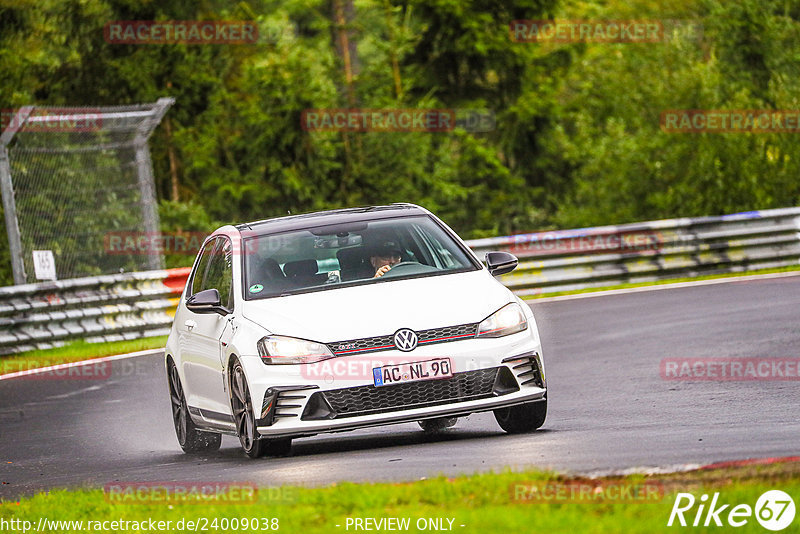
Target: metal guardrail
<point>101,308</point>
<point>649,251</point>
<point>127,306</point>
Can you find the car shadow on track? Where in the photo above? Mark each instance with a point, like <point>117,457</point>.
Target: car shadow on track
<point>392,439</point>
<point>337,443</point>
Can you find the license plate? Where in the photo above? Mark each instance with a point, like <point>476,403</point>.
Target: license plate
<point>412,372</point>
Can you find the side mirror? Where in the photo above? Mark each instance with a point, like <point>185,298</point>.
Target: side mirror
<point>206,301</point>
<point>500,262</point>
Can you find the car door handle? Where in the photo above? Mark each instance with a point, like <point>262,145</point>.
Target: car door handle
<point>190,324</point>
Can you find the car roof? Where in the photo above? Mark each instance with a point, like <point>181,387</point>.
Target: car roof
<point>322,218</point>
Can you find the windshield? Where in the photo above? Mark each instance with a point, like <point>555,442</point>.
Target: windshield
<point>347,254</point>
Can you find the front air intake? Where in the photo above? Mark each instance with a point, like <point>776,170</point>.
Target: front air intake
<point>281,402</point>
<point>526,369</point>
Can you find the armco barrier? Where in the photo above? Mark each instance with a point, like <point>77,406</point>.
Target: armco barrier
<point>649,251</point>
<point>126,306</point>
<point>102,308</point>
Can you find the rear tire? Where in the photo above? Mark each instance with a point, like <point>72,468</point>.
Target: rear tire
<point>253,445</point>
<point>522,418</point>
<point>189,437</point>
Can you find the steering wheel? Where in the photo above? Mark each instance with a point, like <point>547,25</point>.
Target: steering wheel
<point>402,265</point>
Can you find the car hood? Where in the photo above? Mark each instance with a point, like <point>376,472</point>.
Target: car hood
<point>381,308</point>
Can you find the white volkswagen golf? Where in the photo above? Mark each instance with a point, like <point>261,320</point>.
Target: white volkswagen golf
<point>346,319</point>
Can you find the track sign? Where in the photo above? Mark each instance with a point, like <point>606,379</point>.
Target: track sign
<point>44,264</point>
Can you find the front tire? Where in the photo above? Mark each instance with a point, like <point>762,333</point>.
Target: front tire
<point>522,418</point>
<point>253,445</point>
<point>189,437</point>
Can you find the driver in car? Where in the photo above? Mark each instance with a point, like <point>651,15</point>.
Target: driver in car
<point>384,257</point>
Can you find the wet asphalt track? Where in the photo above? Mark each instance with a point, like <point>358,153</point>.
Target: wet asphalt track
<point>609,408</point>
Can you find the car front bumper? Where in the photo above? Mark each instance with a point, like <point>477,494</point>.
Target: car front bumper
<point>339,394</point>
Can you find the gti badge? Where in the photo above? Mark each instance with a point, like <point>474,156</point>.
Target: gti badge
<point>405,339</point>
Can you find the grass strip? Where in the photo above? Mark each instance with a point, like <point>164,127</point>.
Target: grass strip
<point>479,503</point>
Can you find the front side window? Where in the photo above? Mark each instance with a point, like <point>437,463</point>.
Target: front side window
<point>219,275</point>
<point>202,265</point>
<point>337,255</point>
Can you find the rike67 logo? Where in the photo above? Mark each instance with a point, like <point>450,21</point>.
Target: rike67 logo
<point>774,510</point>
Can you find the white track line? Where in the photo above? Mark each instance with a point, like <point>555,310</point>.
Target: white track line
<point>644,470</point>
<point>27,372</point>
<point>676,285</point>
<point>684,468</point>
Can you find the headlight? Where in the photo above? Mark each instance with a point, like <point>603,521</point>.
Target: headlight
<point>278,350</point>
<point>509,319</point>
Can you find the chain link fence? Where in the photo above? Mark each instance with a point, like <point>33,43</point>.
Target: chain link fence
<point>72,176</point>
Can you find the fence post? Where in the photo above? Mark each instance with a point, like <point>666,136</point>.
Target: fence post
<point>9,204</point>
<point>144,169</point>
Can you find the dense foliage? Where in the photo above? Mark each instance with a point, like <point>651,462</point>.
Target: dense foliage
<point>577,139</point>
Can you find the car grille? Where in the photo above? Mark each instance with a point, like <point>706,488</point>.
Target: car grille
<point>426,337</point>
<point>366,400</point>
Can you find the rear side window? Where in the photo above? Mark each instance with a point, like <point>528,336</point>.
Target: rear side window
<point>202,265</point>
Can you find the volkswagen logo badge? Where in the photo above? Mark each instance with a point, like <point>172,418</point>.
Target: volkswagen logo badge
<point>405,339</point>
